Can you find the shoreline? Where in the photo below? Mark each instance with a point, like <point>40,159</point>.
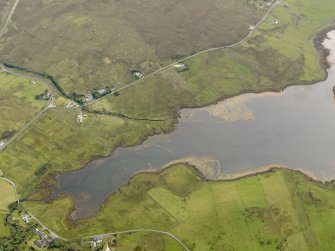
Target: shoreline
<point>232,178</point>
<point>318,40</point>
<point>323,52</point>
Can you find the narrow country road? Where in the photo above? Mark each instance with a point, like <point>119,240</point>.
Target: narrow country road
<point>4,27</point>
<point>196,54</point>
<point>141,230</point>
<point>101,235</point>
<point>28,124</point>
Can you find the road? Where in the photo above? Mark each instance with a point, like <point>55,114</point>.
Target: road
<point>3,29</point>
<point>90,237</point>
<point>140,230</point>
<point>28,124</point>
<point>278,2</point>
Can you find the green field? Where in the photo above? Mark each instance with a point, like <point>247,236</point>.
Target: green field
<point>146,241</point>
<point>281,209</point>
<point>7,195</point>
<point>17,102</point>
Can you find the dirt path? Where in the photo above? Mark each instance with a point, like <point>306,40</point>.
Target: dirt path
<point>3,29</point>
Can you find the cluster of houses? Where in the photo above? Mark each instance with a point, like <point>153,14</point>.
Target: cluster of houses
<point>44,239</point>
<point>71,104</point>
<point>98,93</point>
<point>98,242</point>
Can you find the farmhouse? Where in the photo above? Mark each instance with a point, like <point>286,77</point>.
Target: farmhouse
<point>80,118</point>
<point>181,67</point>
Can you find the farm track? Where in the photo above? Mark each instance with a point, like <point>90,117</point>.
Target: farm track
<point>3,29</point>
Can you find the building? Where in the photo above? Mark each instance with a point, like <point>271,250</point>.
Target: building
<point>71,104</point>
<point>180,67</point>
<point>107,248</point>
<point>102,91</point>
<point>44,239</point>
<point>89,97</point>
<point>138,74</point>
<point>26,218</point>
<point>40,234</point>
<point>41,243</point>
<point>80,118</point>
<point>2,144</point>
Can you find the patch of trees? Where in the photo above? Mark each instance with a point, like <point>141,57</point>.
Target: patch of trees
<point>42,169</point>
<point>98,93</point>
<point>18,234</point>
<point>56,244</point>
<point>8,134</point>
<point>79,98</point>
<point>13,206</point>
<point>43,96</point>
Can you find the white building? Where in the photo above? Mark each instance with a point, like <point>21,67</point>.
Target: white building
<point>89,98</point>
<point>80,118</point>
<point>71,104</point>
<point>26,218</point>
<point>2,143</point>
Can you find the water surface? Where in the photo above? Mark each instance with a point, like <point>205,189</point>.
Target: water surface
<point>295,128</point>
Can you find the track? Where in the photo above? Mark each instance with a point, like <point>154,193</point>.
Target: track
<point>3,29</point>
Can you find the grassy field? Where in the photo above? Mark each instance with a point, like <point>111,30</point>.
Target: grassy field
<point>275,57</point>
<point>4,230</point>
<point>17,102</point>
<point>86,45</point>
<point>146,242</point>
<point>7,195</point>
<point>281,209</point>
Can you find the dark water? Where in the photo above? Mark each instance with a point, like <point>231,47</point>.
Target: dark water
<point>295,129</point>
